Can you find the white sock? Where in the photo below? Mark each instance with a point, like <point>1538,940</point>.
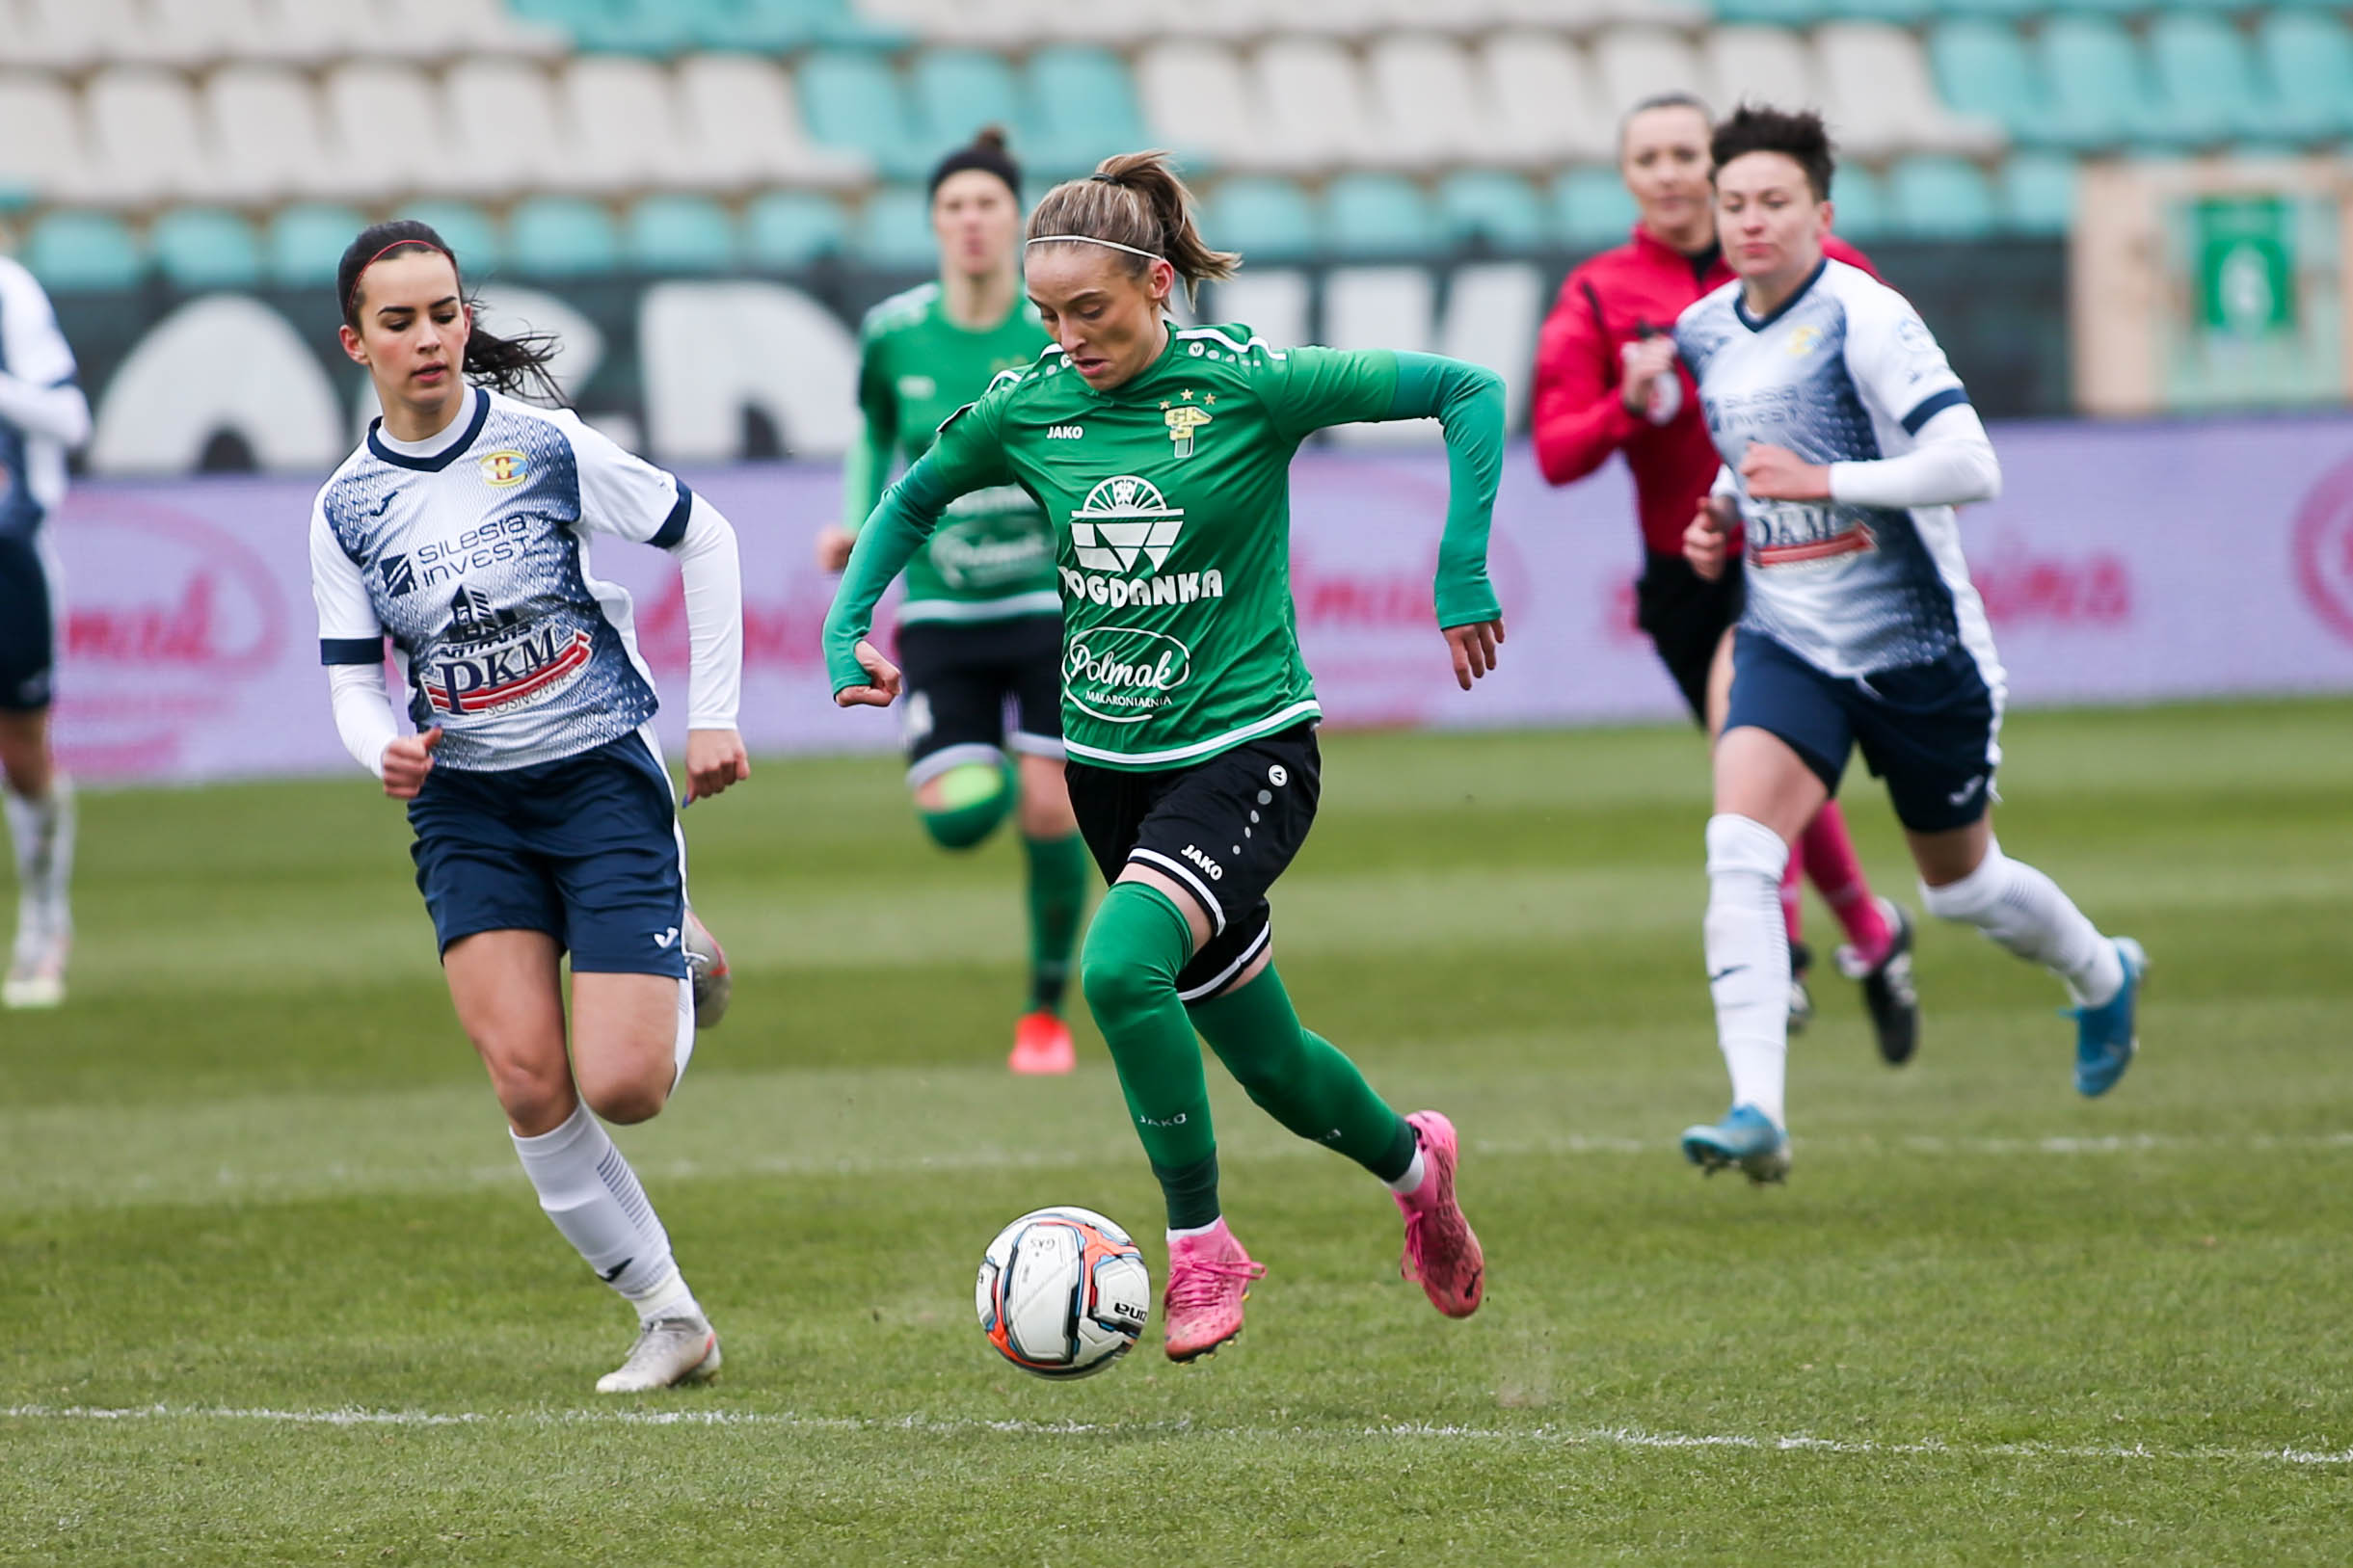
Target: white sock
<point>1408,1184</point>
<point>1748,958</point>
<point>682,1050</point>
<point>2024,911</point>
<point>1197,1230</point>
<point>43,834</point>
<point>593,1197</point>
<point>667,1297</point>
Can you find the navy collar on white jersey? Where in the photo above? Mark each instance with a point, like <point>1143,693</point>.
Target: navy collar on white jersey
<point>1757,324</point>
<point>442,458</point>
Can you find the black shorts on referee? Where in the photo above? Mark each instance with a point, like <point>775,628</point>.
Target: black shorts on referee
<point>1686,616</point>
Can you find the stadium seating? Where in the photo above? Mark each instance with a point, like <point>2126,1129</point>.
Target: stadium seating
<point>792,228</point>
<point>1547,100</point>
<point>674,233</point>
<point>265,121</point>
<point>83,251</point>
<point>1593,208</point>
<point>562,236</point>
<point>2308,59</point>
<point>307,242</point>
<point>959,91</point>
<point>894,231</point>
<point>2037,192</point>
<point>200,248</point>
<point>1267,219</point>
<point>1859,203</point>
<point>1936,197</point>
<point>854,99</point>
<point>743,113</point>
<point>1487,207</point>
<point>1378,215</point>
<point>1081,109</point>
<point>466,229</point>
<point>510,136</point>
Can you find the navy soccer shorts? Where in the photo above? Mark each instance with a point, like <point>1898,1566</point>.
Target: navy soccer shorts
<point>28,628</point>
<point>1928,729</point>
<point>1224,828</point>
<point>962,675</point>
<point>585,849</point>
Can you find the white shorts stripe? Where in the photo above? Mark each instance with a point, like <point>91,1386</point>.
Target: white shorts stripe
<point>1257,944</point>
<point>1184,873</point>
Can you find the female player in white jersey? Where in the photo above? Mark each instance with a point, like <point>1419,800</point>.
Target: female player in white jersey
<point>1847,441</point>
<point>43,416</point>
<point>541,811</point>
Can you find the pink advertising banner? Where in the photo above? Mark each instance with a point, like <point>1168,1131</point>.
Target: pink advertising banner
<point>2123,565</point>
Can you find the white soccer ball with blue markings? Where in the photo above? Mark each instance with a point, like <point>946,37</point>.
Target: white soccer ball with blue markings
<point>1063,1292</point>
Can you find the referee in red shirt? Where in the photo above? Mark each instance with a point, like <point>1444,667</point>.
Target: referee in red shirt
<point>1607,381</point>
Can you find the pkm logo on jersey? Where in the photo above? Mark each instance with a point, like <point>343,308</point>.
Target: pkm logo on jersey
<point>1123,519</point>
<point>1182,423</point>
<point>505,469</point>
<point>519,671</point>
<point>1788,536</point>
<point>399,575</point>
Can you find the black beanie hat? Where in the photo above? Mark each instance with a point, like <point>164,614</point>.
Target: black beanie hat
<point>987,152</point>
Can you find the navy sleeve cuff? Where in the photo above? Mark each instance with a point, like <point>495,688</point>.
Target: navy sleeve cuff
<point>1931,405</point>
<point>674,526</point>
<point>351,649</point>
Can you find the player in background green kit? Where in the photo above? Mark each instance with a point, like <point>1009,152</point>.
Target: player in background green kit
<point>1162,459</point>
<point>981,626</point>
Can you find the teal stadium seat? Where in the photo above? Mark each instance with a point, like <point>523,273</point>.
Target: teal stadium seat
<point>199,248</point>
<point>2308,57</point>
<point>1940,199</point>
<point>2011,11</point>
<point>465,228</point>
<point>756,26</point>
<point>657,27</point>
<point>1859,203</point>
<point>1384,215</point>
<point>1982,67</point>
<point>1264,217</point>
<point>1592,209</point>
<point>562,236</point>
<point>675,233</point>
<point>1487,206</point>
<point>305,243</point>
<point>895,232</point>
<point>70,251</point>
<point>1081,109</point>
<point>1774,13</point>
<point>2102,95</point>
<point>854,99</point>
<point>786,230</point>
<point>2038,194</point>
<point>1903,13</point>
<point>2208,77</point>
<point>959,91</point>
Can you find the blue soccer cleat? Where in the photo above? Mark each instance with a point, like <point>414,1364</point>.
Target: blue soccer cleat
<point>1746,1137</point>
<point>2105,1035</point>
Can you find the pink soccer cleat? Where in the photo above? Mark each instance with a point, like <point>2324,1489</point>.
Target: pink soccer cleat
<point>1440,1249</point>
<point>1041,1045</point>
<point>1209,1278</point>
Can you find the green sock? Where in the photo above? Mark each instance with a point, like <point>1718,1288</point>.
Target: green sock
<point>974,797</point>
<point>1059,869</point>
<point>1128,969</point>
<point>1302,1080</point>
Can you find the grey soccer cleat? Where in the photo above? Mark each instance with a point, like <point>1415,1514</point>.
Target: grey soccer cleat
<point>707,969</point>
<point>669,1351</point>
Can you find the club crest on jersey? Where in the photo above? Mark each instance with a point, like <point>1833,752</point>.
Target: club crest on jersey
<point>1182,423</point>
<point>504,469</point>
<point>492,660</point>
<point>1804,340</point>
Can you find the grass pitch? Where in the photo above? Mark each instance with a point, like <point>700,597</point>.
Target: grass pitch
<point>278,1294</point>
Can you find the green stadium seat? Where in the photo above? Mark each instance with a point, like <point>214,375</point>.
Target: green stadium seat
<point>854,99</point>
<point>959,91</point>
<point>1940,199</point>
<point>674,233</point>
<point>1860,205</point>
<point>895,232</point>
<point>1081,109</point>
<point>202,248</point>
<point>789,230</point>
<point>1982,67</point>
<point>2038,194</point>
<point>2101,93</point>
<point>1378,215</point>
<point>1592,210</point>
<point>1264,217</point>
<point>562,236</point>
<point>2308,59</point>
<point>70,251</point>
<point>1489,208</point>
<point>465,228</point>
<point>305,243</point>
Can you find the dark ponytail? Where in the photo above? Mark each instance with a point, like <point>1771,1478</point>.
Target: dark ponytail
<point>1135,201</point>
<point>517,366</point>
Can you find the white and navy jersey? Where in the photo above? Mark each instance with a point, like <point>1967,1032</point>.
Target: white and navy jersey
<point>470,552</point>
<point>1845,371</point>
<point>32,349</point>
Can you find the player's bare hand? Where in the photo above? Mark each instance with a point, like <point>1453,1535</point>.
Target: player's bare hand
<point>1474,649</point>
<point>1642,364</point>
<point>1774,473</point>
<point>833,545</point>
<point>882,677</point>
<point>1705,540</point>
<point>714,759</point>
<point>406,760</point>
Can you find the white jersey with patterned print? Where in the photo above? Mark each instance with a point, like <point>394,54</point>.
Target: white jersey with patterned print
<point>470,552</point>
<point>1844,371</point>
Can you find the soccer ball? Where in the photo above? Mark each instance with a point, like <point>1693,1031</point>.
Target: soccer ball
<point>707,969</point>
<point>1062,1292</point>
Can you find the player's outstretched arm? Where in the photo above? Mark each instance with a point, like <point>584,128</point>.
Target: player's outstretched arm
<point>901,522</point>
<point>1468,401</point>
<point>710,574</point>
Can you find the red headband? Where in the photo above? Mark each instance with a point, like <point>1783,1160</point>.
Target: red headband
<point>352,305</point>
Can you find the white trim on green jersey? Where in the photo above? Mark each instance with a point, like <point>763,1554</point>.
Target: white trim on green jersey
<point>1281,720</point>
<point>1042,601</point>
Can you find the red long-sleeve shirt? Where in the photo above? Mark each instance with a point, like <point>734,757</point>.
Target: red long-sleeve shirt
<point>1579,418</point>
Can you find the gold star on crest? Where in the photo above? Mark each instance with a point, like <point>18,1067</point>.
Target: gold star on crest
<point>1210,398</point>
<point>1188,394</point>
<point>1165,404</point>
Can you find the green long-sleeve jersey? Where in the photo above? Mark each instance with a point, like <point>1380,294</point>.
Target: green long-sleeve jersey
<point>1168,498</point>
<point>991,557</point>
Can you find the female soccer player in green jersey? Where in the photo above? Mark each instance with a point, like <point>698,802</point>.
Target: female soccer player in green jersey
<point>1162,459</point>
<point>981,625</point>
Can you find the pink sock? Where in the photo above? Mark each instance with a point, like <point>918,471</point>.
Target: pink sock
<point>1831,865</point>
<point>1790,896</point>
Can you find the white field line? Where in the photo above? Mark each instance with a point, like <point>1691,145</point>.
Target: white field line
<point>1597,1437</point>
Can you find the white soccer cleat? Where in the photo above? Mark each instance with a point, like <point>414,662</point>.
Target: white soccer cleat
<point>669,1351</point>
<point>707,969</point>
<point>36,968</point>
